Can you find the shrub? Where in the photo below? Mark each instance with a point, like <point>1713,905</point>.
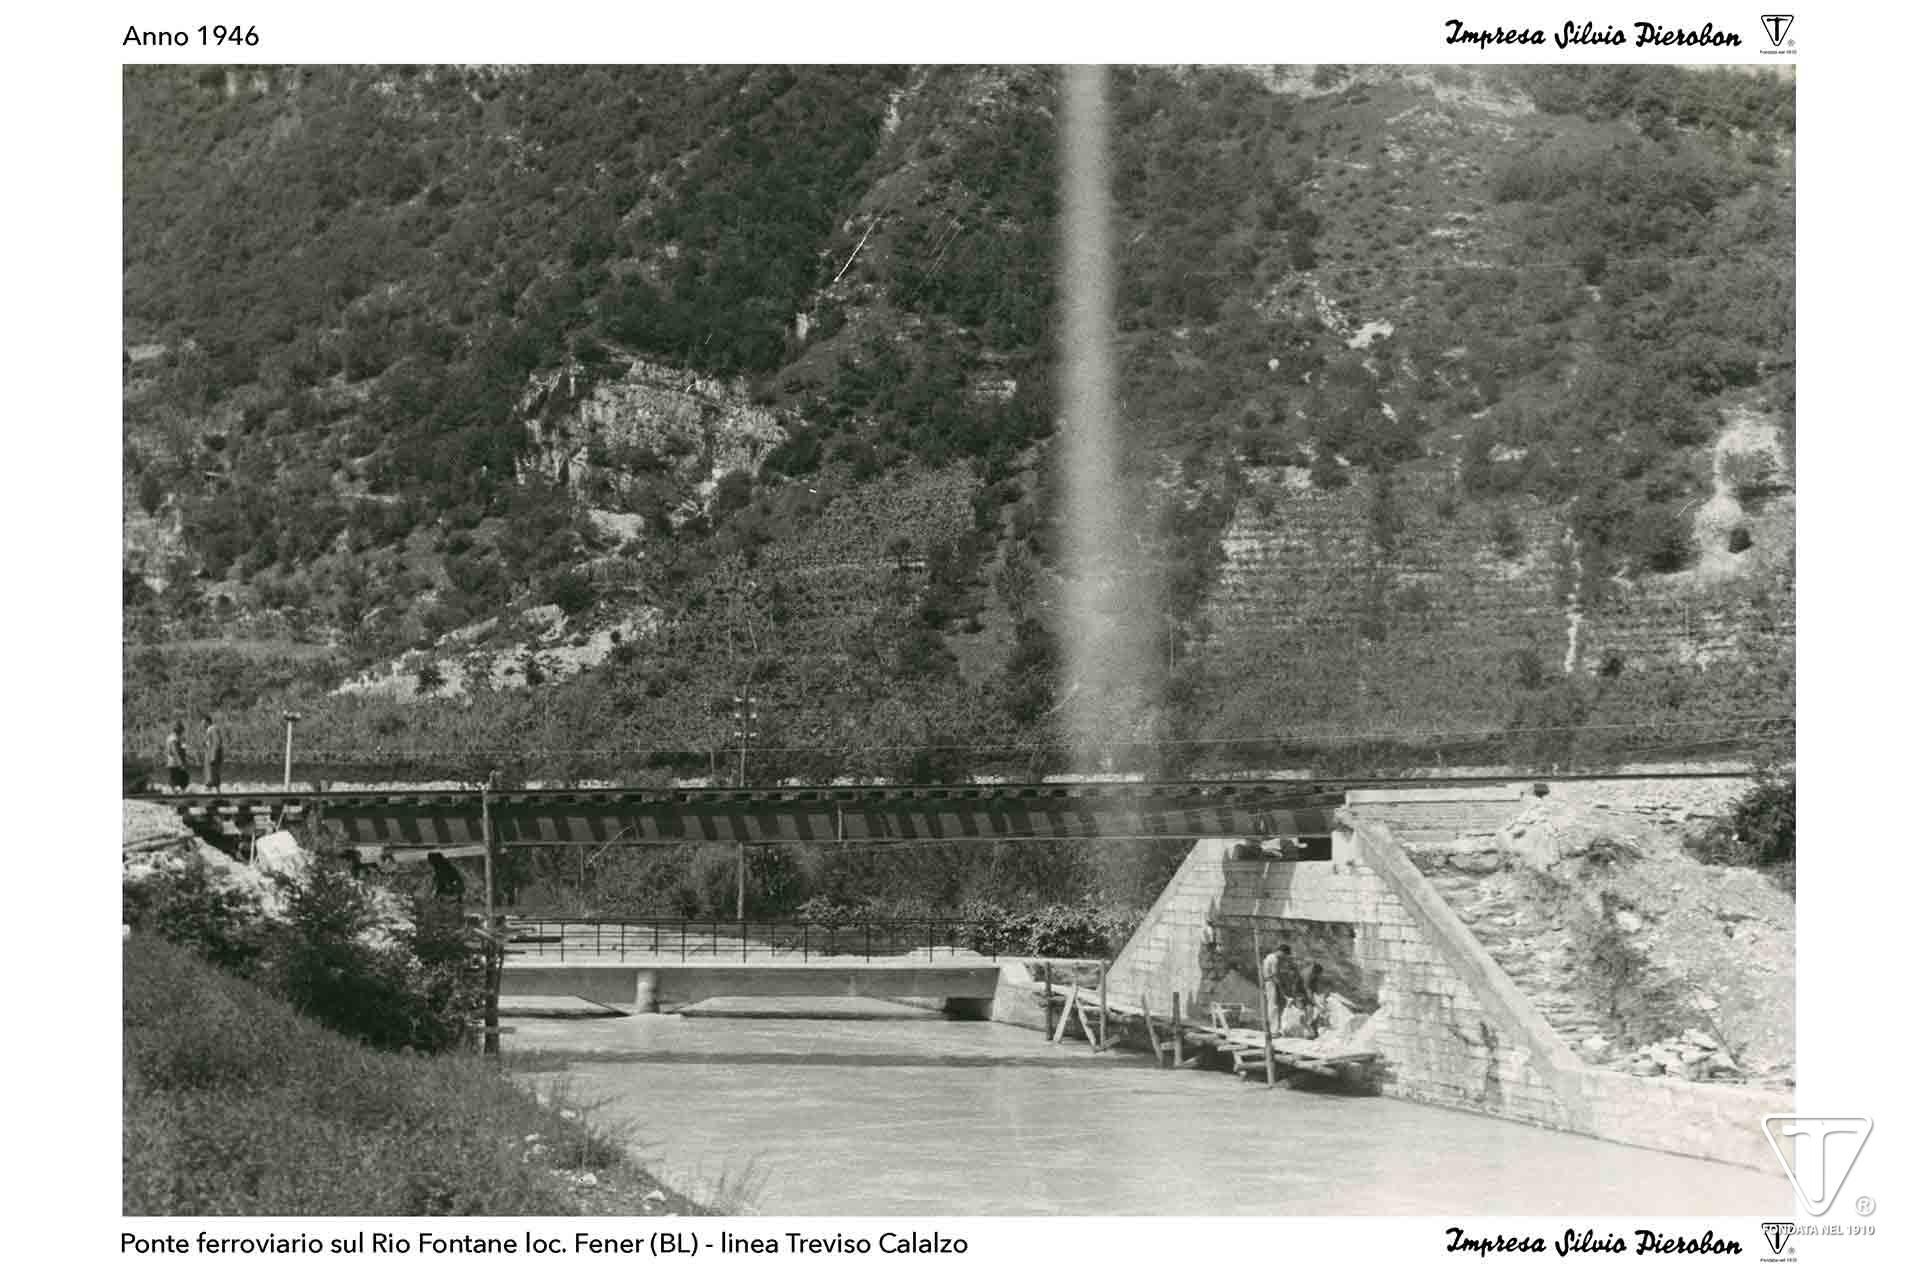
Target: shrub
<point>1082,931</point>
<point>572,591</point>
<point>1758,833</point>
<point>213,916</point>
<point>334,965</point>
<point>1503,531</point>
<point>1661,541</point>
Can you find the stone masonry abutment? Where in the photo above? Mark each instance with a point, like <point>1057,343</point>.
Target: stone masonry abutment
<point>1451,1027</point>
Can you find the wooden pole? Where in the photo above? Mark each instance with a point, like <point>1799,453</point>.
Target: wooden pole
<point>740,780</point>
<point>1066,1014</point>
<point>286,774</point>
<point>740,883</point>
<point>1266,1018</point>
<point>1046,1008</point>
<point>1153,1041</point>
<point>1103,1006</point>
<point>491,1042</point>
<point>1179,1039</point>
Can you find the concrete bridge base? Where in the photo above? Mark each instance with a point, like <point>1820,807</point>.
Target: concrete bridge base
<point>965,990</point>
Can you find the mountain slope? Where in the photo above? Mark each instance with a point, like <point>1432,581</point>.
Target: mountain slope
<point>564,405</point>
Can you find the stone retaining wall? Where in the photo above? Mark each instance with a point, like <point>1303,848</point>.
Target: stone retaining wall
<point>1450,1025</point>
<point>1435,815</point>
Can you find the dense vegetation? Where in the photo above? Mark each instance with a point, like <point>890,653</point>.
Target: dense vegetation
<point>235,1104</point>
<point>338,951</point>
<point>355,296</point>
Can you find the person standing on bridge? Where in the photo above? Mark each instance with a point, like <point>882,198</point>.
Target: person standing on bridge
<point>216,751</point>
<point>177,774</point>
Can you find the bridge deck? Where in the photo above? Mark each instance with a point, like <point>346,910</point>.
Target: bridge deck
<point>596,817</point>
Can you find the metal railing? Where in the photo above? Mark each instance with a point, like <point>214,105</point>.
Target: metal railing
<point>682,940</point>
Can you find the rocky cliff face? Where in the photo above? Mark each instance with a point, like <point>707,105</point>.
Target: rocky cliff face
<point>653,437</point>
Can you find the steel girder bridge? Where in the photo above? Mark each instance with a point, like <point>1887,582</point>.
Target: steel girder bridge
<point>446,819</point>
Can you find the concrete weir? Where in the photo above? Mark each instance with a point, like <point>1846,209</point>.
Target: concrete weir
<point>964,989</point>
<point>1451,1027</point>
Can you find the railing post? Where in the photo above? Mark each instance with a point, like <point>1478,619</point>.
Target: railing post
<point>805,955</point>
<point>683,941</point>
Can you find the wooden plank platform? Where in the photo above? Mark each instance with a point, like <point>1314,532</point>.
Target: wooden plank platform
<point>1321,1057</point>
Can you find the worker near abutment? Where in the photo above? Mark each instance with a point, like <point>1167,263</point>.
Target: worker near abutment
<point>1279,982</point>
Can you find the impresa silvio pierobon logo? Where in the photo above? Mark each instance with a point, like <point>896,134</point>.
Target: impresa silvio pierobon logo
<point>1777,1234</point>
<point>1777,25</point>
<point>1818,1152</point>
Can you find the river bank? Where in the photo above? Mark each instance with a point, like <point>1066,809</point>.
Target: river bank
<point>235,1104</point>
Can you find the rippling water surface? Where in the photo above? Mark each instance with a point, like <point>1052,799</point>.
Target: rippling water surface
<point>884,1110</point>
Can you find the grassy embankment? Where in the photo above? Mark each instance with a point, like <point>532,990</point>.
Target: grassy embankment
<point>235,1104</point>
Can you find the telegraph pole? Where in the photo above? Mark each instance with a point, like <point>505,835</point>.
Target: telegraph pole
<point>490,1017</point>
<point>746,719</point>
<point>286,775</point>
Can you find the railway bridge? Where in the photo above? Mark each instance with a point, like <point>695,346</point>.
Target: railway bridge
<point>600,817</point>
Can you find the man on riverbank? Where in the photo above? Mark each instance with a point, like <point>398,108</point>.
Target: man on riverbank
<point>177,775</point>
<point>216,744</point>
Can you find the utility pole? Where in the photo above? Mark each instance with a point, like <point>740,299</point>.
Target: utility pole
<point>490,1044</point>
<point>286,775</point>
<point>746,720</point>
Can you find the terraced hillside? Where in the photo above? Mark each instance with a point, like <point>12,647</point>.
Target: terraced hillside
<point>525,417</point>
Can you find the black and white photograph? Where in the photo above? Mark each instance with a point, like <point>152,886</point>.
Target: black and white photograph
<point>934,640</point>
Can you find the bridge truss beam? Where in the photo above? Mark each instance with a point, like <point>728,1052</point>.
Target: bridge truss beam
<point>843,815</point>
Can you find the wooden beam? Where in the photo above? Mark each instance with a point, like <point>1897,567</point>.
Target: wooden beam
<point>1179,1032</point>
<point>1046,1007</point>
<point>1066,1014</point>
<point>1086,1026</point>
<point>1103,1005</point>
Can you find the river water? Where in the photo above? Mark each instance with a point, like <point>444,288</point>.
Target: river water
<point>879,1109</point>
